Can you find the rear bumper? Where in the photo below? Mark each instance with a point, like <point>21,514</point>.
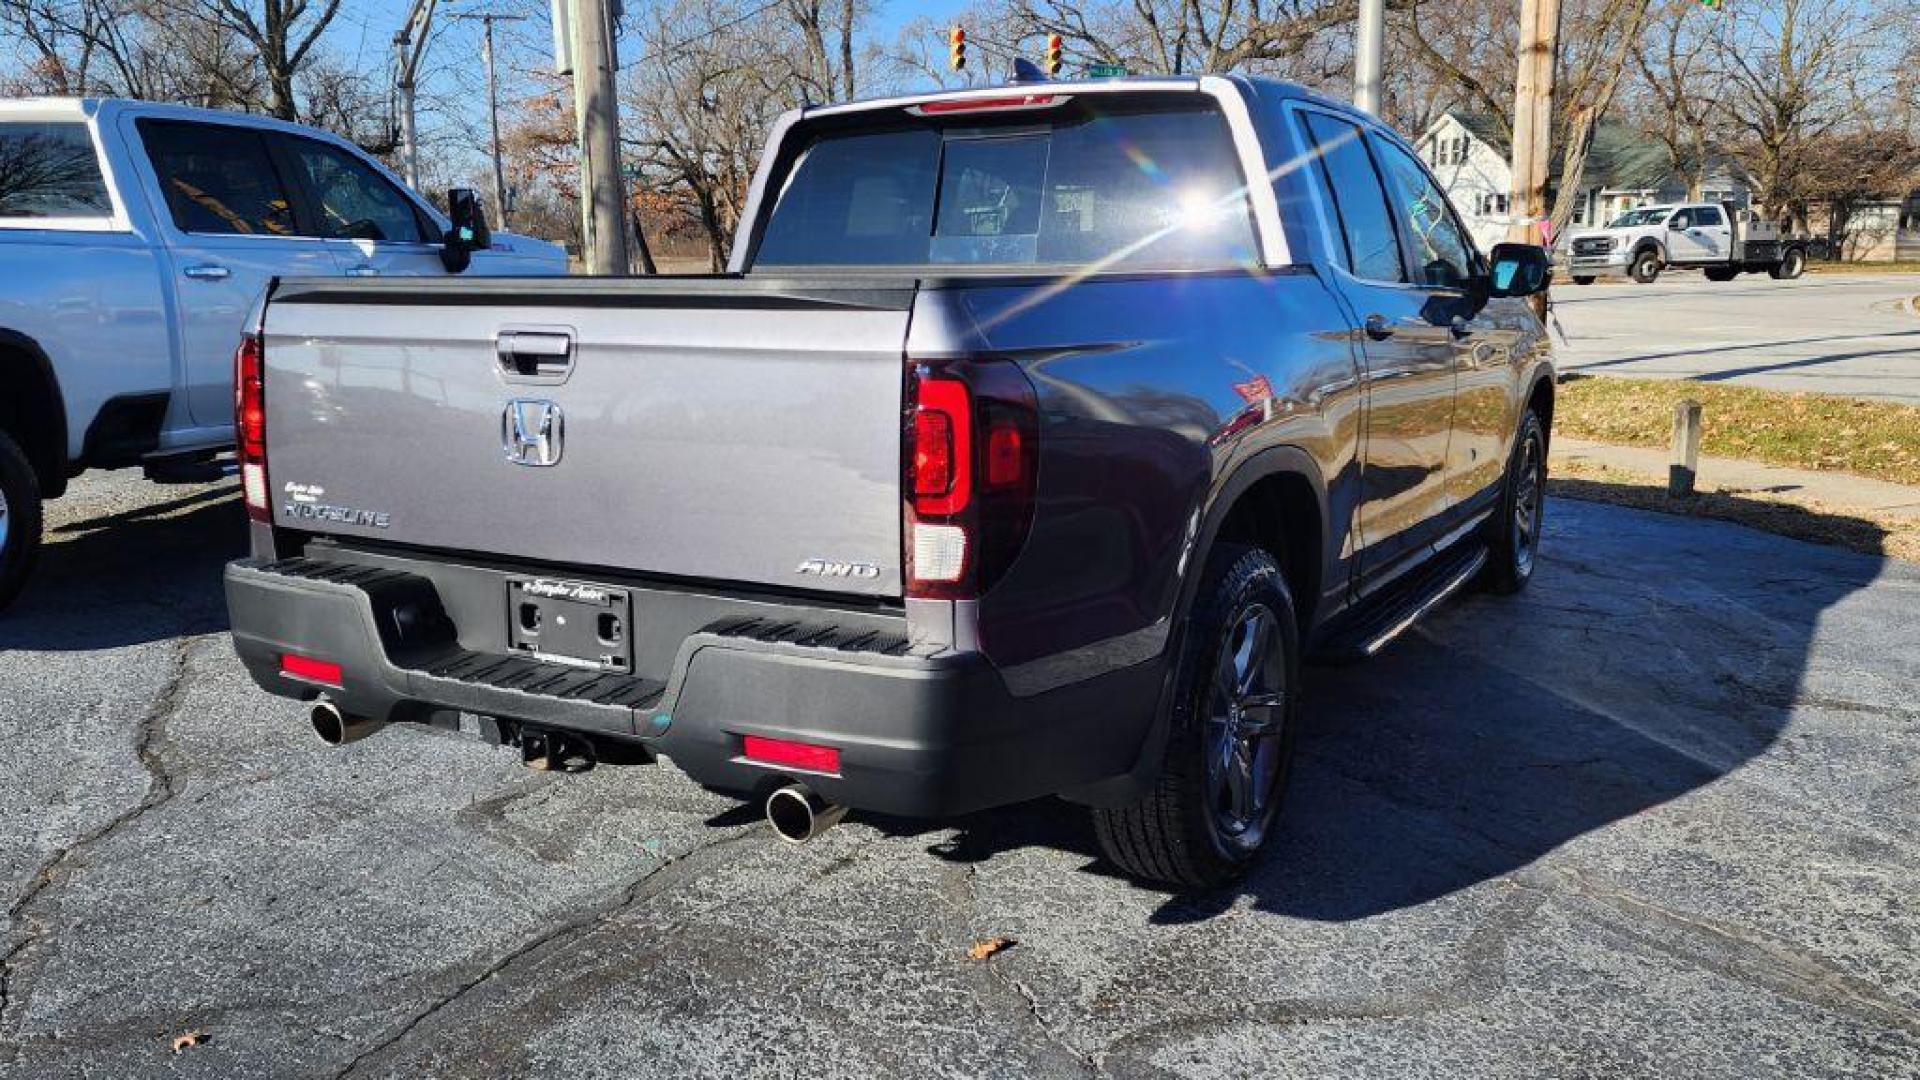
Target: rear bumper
<point>920,732</point>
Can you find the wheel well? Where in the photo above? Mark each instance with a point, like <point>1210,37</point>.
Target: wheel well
<point>1281,514</point>
<point>1541,402</point>
<point>31,411</point>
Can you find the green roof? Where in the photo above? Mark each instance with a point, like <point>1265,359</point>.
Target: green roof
<point>1620,159</point>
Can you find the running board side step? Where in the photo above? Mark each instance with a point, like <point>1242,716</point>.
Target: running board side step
<point>1378,629</point>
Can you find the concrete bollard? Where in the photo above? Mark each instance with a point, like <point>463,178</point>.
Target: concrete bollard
<point>1683,467</point>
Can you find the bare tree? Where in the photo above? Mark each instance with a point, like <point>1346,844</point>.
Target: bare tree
<point>1680,88</point>
<point>282,33</point>
<point>711,79</point>
<point>1798,71</point>
<point>1467,48</point>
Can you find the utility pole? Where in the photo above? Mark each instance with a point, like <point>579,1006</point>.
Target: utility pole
<point>1369,41</point>
<point>487,19</point>
<point>409,44</point>
<point>603,219</point>
<point>1533,124</point>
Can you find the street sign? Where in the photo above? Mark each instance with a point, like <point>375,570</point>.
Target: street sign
<point>1106,71</point>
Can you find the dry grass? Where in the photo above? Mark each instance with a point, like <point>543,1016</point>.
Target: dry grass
<point>1889,267</point>
<point>1804,431</point>
<point>1871,534</point>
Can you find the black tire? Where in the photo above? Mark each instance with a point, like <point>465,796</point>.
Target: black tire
<point>1513,533</point>
<point>20,518</point>
<point>1646,266</point>
<point>1721,273</point>
<point>1197,828</point>
<point>1793,263</point>
<point>1583,279</point>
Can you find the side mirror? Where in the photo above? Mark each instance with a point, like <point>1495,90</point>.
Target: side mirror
<point>469,232</point>
<point>1675,223</point>
<point>1519,270</point>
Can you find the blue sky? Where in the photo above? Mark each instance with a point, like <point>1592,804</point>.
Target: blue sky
<point>362,32</point>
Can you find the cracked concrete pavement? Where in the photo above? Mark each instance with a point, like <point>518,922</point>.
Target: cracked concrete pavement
<point>1656,817</point>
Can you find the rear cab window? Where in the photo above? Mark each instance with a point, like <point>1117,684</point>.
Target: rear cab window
<point>50,175</point>
<point>1146,182</point>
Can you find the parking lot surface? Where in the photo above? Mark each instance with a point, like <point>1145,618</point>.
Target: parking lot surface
<point>1826,333</point>
<point>1655,817</point>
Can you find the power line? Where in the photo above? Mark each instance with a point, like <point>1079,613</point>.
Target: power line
<point>703,35</point>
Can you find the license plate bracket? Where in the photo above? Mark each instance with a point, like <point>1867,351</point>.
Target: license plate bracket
<point>571,622</point>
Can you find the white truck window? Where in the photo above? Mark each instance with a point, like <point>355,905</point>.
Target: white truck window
<point>218,180</point>
<point>50,170</point>
<point>354,202</point>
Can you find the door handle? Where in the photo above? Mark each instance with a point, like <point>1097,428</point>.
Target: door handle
<point>207,272</point>
<point>1377,328</point>
<point>540,356</point>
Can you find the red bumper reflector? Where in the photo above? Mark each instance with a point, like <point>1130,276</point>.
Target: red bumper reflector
<point>793,755</point>
<point>309,669</point>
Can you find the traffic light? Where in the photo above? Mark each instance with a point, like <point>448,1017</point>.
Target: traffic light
<point>1052,66</point>
<point>957,49</point>
<point>1711,5</point>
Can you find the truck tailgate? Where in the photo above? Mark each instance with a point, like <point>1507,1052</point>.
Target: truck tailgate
<point>707,428</point>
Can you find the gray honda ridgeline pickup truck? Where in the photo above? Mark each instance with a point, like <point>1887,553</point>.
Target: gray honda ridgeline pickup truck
<point>1033,439</point>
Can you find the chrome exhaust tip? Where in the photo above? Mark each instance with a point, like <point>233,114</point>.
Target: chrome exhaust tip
<point>337,728</point>
<point>797,815</point>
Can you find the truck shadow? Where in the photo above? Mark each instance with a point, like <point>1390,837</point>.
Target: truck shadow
<point>1656,656</point>
<point>133,576</point>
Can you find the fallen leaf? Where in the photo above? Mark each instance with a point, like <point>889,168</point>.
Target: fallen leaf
<point>983,949</point>
<point>188,1039</point>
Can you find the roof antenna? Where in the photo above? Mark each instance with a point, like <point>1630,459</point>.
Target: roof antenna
<point>1026,71</point>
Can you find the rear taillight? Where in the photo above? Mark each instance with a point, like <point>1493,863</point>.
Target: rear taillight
<point>250,425</point>
<point>971,463</point>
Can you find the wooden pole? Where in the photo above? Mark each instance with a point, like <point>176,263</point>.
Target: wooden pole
<point>603,211</point>
<point>1683,468</point>
<point>1533,124</point>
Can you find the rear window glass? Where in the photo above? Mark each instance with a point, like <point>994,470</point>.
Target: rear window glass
<point>1132,190</point>
<point>49,170</point>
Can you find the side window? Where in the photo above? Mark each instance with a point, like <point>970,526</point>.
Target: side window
<point>353,201</point>
<point>1352,188</point>
<point>1707,217</point>
<point>48,170</point>
<point>218,180</point>
<point>1442,251</point>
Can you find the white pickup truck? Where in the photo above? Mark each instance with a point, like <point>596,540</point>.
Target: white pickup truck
<point>134,237</point>
<point>1718,239</point>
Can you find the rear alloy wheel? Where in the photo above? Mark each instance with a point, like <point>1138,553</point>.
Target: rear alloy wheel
<point>1513,538</point>
<point>19,519</point>
<point>1791,265</point>
<point>1646,266</point>
<point>1214,805</point>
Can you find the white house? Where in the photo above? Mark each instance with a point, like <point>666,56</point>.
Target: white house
<point>1468,153</point>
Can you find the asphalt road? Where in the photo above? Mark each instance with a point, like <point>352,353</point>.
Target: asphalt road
<point>1656,817</point>
<point>1853,334</point>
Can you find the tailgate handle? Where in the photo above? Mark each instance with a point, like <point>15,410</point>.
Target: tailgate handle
<point>544,356</point>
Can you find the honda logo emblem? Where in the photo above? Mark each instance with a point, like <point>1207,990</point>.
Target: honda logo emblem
<point>531,431</point>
